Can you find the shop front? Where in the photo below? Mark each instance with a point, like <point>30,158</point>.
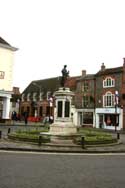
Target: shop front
<point>5,105</point>
<point>109,118</point>
<point>85,118</point>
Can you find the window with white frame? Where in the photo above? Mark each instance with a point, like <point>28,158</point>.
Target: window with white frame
<point>108,99</point>
<point>108,82</point>
<point>22,98</point>
<point>85,101</point>
<point>41,96</point>
<point>85,86</point>
<point>28,97</point>
<point>48,95</point>
<point>34,96</point>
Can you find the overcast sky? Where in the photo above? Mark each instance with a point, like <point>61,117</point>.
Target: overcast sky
<point>51,33</point>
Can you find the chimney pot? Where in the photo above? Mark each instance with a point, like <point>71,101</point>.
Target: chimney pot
<point>102,67</point>
<point>124,61</point>
<point>83,72</point>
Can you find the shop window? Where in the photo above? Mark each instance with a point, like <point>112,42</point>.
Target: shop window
<point>87,117</point>
<point>108,99</point>
<point>110,119</point>
<point>108,82</point>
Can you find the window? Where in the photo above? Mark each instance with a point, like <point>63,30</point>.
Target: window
<point>34,96</point>
<point>41,96</point>
<point>108,82</point>
<point>87,117</point>
<point>23,97</point>
<point>48,95</point>
<point>2,74</point>
<point>85,86</point>
<point>85,101</point>
<point>108,99</point>
<point>28,97</point>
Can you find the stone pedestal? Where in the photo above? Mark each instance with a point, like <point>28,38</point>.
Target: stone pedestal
<point>63,128</point>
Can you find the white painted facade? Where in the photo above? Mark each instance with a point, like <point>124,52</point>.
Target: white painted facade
<point>108,111</point>
<point>6,78</point>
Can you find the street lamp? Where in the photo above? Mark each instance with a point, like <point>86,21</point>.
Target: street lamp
<point>40,89</point>
<point>116,106</point>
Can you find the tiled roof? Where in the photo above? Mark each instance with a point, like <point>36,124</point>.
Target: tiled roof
<point>49,84</point>
<point>110,71</point>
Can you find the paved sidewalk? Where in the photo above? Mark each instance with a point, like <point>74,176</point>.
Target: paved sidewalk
<point>6,144</point>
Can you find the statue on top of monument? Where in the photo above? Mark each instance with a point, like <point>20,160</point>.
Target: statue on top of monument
<point>65,74</point>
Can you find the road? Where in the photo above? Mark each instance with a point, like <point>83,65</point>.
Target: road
<point>42,170</point>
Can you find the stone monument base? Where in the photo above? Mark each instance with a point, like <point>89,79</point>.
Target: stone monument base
<point>62,132</point>
<point>63,128</point>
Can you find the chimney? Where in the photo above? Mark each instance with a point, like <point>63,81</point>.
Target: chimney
<point>83,73</point>
<point>124,61</point>
<point>102,67</point>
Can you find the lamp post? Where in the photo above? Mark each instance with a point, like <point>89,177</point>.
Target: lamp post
<point>50,109</point>
<point>116,106</point>
<point>40,89</point>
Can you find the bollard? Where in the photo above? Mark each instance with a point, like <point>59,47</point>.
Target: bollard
<point>40,140</point>
<point>0,134</point>
<point>83,142</point>
<point>8,130</point>
<point>118,136</point>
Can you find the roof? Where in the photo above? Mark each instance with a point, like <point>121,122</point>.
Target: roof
<point>86,77</point>
<point>6,45</point>
<point>49,84</point>
<point>109,71</point>
<point>2,41</point>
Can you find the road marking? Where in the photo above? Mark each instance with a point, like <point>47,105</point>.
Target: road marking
<point>56,153</point>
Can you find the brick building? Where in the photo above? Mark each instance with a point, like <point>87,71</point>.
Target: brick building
<point>99,99</point>
<point>6,77</point>
<point>38,98</point>
<point>85,99</point>
<point>108,112</point>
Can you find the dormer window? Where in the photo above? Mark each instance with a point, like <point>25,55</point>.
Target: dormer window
<point>48,95</point>
<point>23,97</point>
<point>34,96</point>
<point>28,97</point>
<point>41,96</point>
<point>108,82</point>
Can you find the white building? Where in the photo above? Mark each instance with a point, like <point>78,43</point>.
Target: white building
<point>6,77</point>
